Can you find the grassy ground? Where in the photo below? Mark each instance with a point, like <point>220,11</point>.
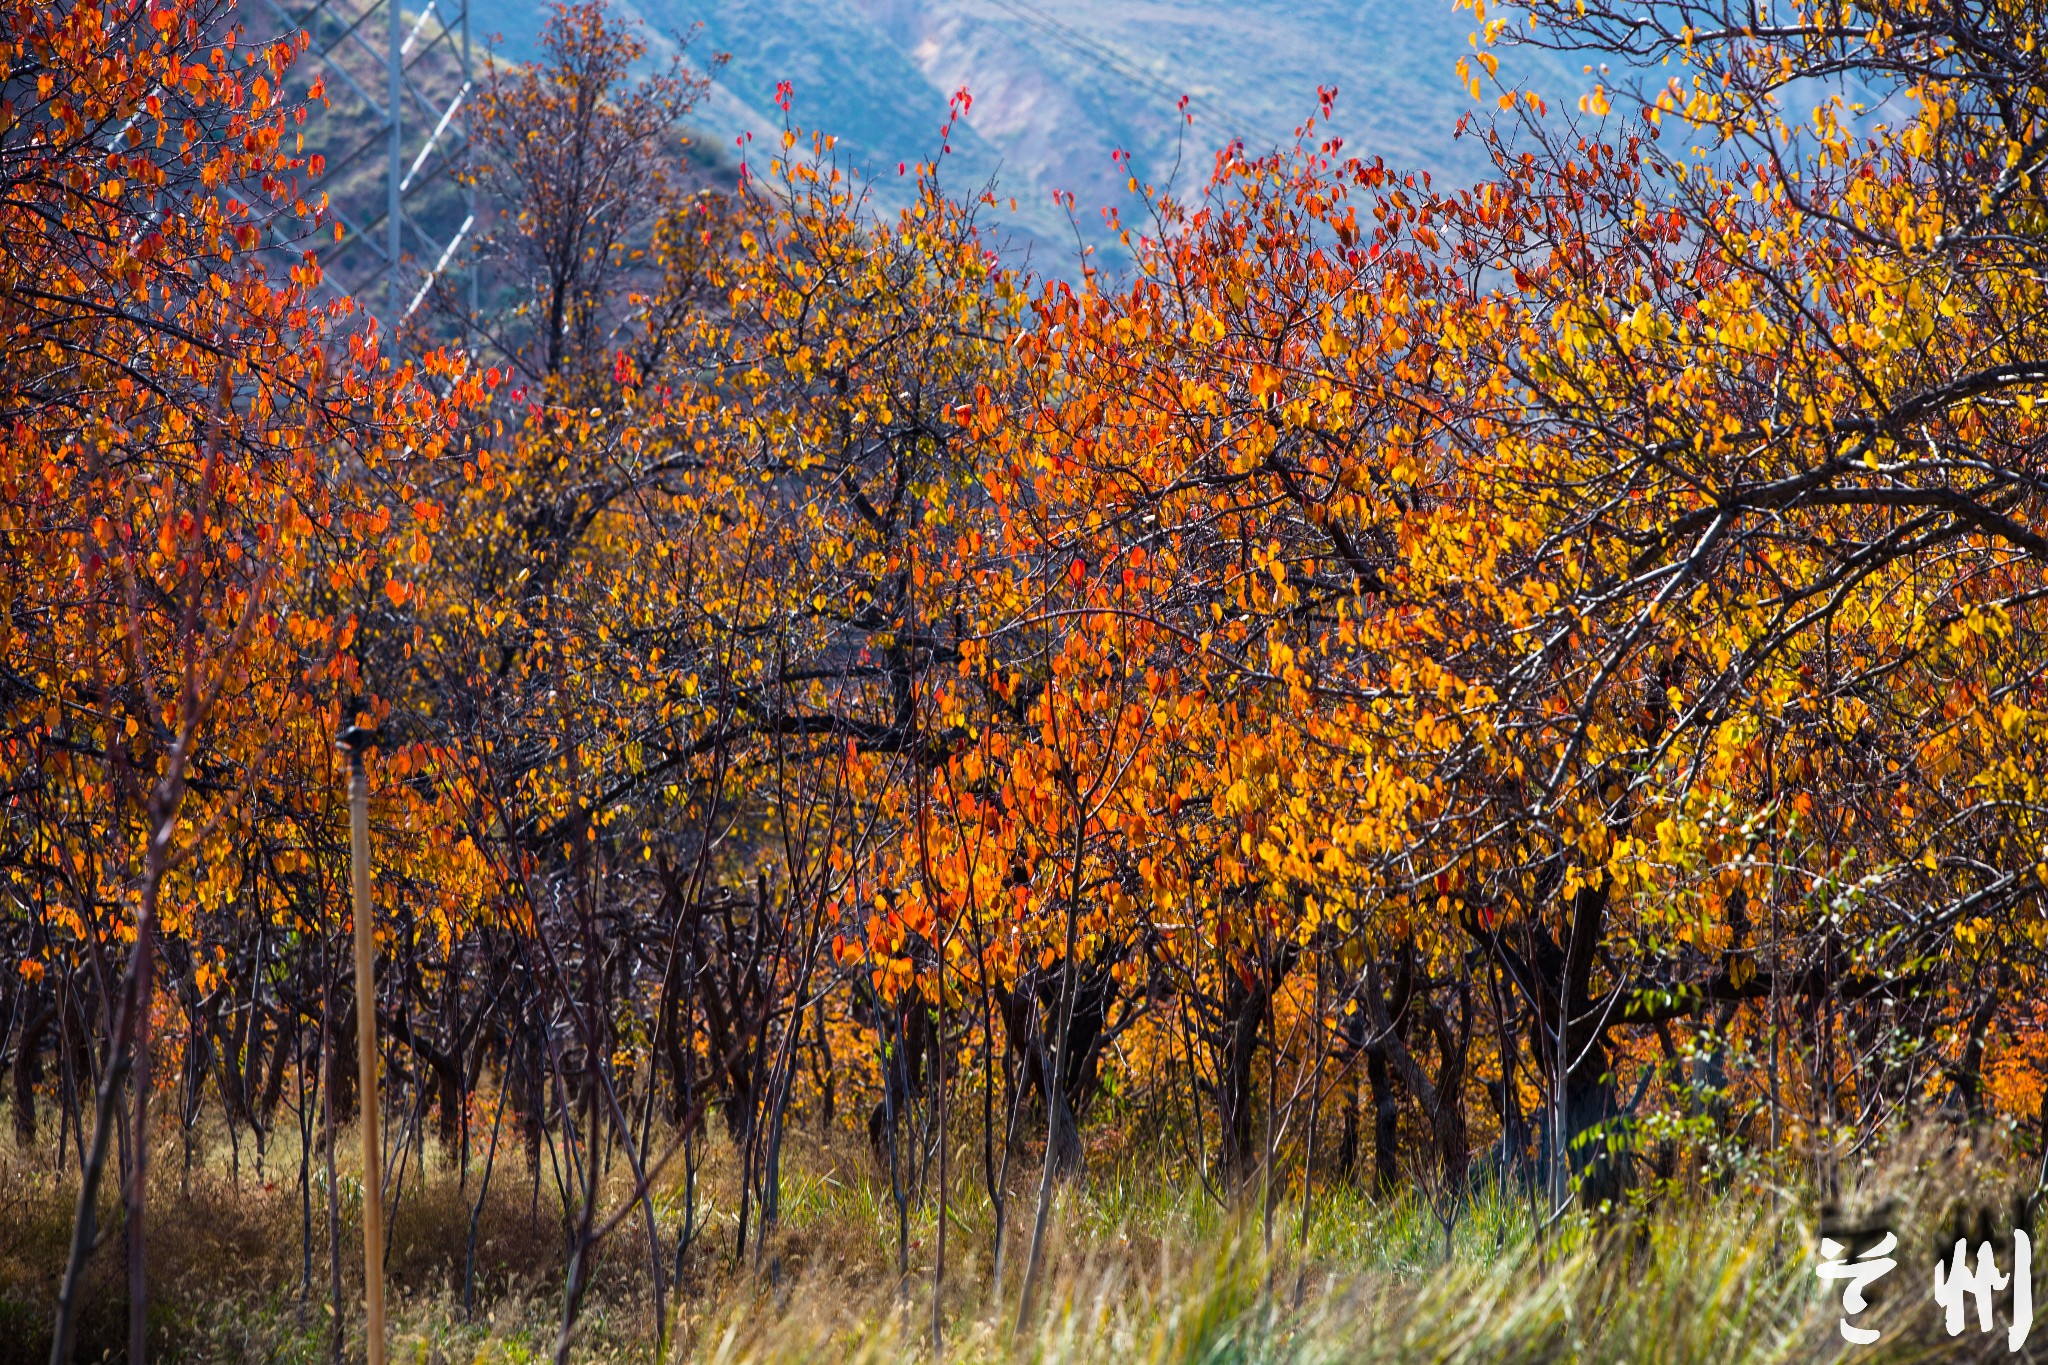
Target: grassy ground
<point>1143,1272</point>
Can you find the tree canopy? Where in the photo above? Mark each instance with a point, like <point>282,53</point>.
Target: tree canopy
<point>1547,671</point>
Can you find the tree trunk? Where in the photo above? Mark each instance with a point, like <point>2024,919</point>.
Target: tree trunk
<point>28,1069</point>
<point>1245,1010</point>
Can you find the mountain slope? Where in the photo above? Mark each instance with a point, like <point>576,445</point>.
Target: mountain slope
<point>1060,85</point>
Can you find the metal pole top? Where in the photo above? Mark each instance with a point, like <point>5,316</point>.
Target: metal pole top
<point>356,741</point>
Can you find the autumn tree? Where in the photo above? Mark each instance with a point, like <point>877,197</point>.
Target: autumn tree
<point>1479,665</point>
<point>189,446</point>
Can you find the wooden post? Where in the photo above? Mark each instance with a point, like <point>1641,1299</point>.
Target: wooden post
<point>357,741</point>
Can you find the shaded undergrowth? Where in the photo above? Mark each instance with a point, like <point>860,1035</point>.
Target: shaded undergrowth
<point>1145,1271</point>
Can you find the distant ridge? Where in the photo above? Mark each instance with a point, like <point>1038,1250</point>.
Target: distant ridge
<point>1059,85</point>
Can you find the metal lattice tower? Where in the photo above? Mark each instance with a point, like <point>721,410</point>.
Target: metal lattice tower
<point>396,139</point>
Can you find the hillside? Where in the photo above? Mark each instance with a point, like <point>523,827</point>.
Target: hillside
<point>1060,85</point>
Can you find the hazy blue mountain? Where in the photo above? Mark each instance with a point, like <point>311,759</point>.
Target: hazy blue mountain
<point>1060,85</point>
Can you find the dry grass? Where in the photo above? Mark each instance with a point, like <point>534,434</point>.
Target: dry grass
<point>1142,1273</point>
